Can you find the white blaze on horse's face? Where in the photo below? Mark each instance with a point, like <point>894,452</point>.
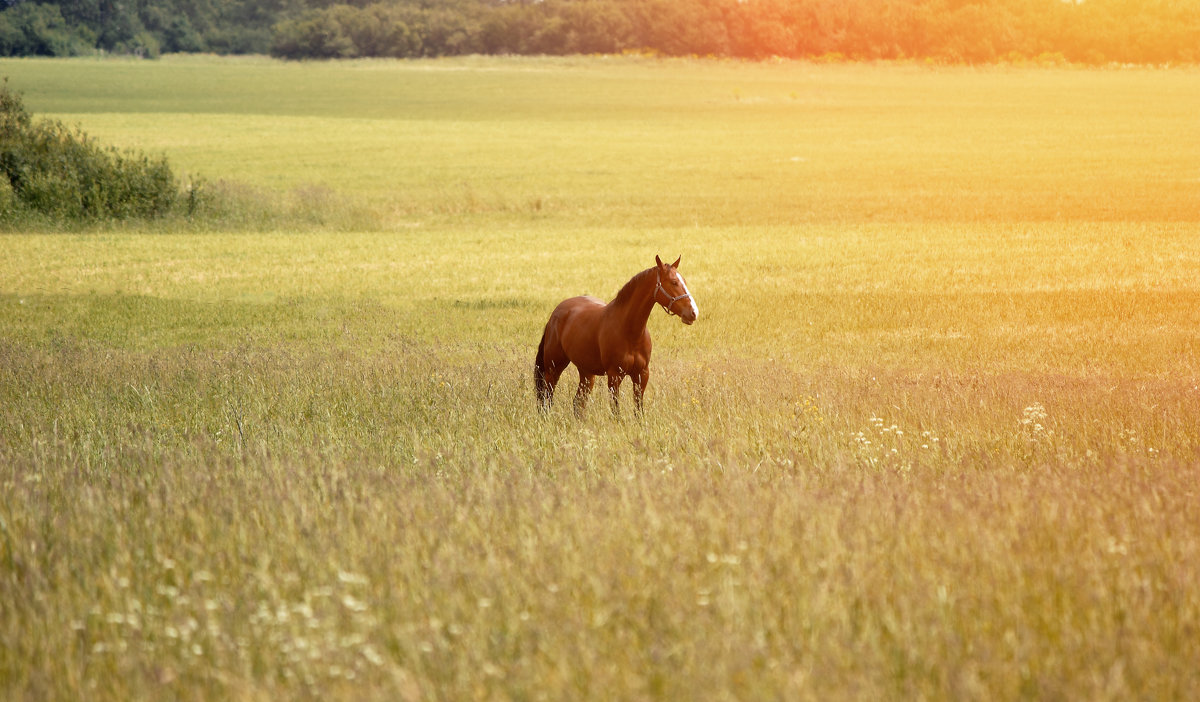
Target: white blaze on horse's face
<point>678,298</point>
<point>688,315</point>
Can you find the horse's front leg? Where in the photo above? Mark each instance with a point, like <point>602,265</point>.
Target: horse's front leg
<point>614,390</point>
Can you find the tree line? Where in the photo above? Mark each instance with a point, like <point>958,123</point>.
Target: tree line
<point>953,31</point>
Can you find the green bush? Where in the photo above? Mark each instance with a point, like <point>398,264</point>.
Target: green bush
<point>63,174</point>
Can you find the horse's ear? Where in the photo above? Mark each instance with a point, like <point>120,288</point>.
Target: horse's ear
<point>658,261</point>
<point>676,264</point>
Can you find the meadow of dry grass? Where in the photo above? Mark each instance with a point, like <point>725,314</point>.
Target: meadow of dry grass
<point>933,435</point>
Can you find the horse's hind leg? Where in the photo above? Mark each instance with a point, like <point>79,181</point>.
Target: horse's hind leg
<point>639,388</point>
<point>581,395</point>
<point>547,380</point>
<point>614,391</point>
<point>549,366</point>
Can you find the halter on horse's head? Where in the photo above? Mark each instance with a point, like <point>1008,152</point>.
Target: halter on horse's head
<point>672,292</point>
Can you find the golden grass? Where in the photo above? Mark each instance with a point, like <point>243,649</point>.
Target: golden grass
<point>933,435</point>
<point>281,521</point>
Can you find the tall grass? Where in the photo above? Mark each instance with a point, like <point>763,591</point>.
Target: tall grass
<point>289,521</point>
<point>933,435</point>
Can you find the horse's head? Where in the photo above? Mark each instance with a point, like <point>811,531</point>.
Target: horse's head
<point>672,292</point>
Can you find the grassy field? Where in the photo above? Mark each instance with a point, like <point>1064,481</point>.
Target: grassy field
<point>933,436</point>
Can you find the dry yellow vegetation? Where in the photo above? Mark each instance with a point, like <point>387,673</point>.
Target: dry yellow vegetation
<point>933,435</point>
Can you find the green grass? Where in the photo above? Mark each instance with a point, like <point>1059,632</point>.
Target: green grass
<point>933,434</point>
<point>628,143</point>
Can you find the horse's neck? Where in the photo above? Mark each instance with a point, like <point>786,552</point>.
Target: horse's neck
<point>633,313</point>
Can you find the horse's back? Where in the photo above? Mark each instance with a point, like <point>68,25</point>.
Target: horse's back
<point>582,301</point>
<point>584,305</point>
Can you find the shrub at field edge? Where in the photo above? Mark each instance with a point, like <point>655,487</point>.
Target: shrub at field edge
<point>61,174</point>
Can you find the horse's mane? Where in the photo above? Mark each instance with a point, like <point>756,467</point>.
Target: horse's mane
<point>626,292</point>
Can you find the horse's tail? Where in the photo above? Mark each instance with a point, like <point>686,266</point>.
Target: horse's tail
<point>539,374</point>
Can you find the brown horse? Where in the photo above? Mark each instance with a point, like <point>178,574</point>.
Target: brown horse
<point>609,339</point>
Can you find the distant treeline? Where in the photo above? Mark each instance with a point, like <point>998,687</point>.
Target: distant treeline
<point>958,31</point>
